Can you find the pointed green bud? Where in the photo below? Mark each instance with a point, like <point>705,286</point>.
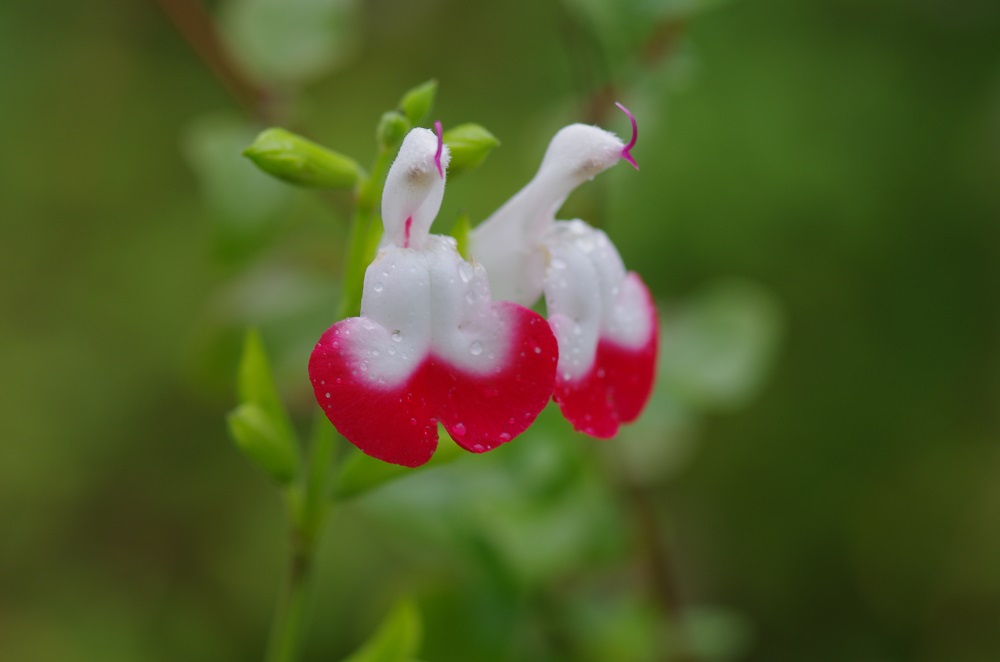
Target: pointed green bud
<point>392,128</point>
<point>256,434</point>
<point>296,160</point>
<point>460,231</point>
<point>470,144</point>
<point>260,425</point>
<point>417,103</point>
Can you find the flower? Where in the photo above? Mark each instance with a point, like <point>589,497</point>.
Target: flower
<point>603,317</point>
<point>430,345</point>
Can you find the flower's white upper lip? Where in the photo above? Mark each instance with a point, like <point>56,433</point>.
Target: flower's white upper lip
<point>414,188</point>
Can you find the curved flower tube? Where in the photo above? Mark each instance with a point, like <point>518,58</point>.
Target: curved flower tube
<point>603,317</point>
<point>431,345</point>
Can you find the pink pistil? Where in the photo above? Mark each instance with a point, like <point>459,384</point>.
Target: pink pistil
<point>437,156</point>
<point>406,231</point>
<point>627,150</point>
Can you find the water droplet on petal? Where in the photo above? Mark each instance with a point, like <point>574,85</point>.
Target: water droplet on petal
<point>466,271</point>
<point>363,366</point>
<point>511,420</point>
<point>504,436</point>
<point>459,429</point>
<point>328,395</point>
<point>476,348</point>
<point>391,350</point>
<point>538,350</point>
<point>396,336</point>
<point>413,421</point>
<point>374,353</point>
<point>339,380</point>
<point>378,286</point>
<point>478,448</point>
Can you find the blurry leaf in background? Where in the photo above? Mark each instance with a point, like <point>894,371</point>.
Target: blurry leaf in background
<point>397,638</point>
<point>717,634</point>
<point>288,304</point>
<point>717,349</point>
<point>291,41</point>
<point>242,198</point>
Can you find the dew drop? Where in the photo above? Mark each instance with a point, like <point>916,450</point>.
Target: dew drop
<point>538,350</point>
<point>391,350</point>
<point>328,395</point>
<point>413,421</point>
<point>504,436</point>
<point>566,376</point>
<point>338,380</point>
<point>478,448</point>
<point>378,286</point>
<point>470,297</point>
<point>374,353</point>
<point>363,366</point>
<point>511,420</point>
<point>459,429</point>
<point>336,344</point>
<point>396,336</point>
<point>466,271</point>
<point>476,348</point>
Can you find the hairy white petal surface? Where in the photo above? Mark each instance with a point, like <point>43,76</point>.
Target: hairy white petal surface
<point>590,297</point>
<point>413,189</point>
<point>509,243</point>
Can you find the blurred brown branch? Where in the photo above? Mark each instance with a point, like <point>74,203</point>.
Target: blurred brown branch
<point>197,27</point>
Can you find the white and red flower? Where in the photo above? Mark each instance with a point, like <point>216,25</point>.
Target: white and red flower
<point>431,345</point>
<point>603,317</point>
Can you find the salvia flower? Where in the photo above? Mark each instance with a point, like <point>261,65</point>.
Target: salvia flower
<point>603,317</point>
<point>431,345</point>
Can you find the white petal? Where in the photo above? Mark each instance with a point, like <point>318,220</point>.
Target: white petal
<point>429,301</point>
<point>509,242</point>
<point>413,189</point>
<point>589,298</point>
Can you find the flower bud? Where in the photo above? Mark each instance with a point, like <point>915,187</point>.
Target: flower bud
<point>392,128</point>
<point>296,160</point>
<point>417,103</point>
<point>469,144</point>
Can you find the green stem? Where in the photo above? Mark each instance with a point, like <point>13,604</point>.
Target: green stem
<point>290,616</point>
<point>307,511</point>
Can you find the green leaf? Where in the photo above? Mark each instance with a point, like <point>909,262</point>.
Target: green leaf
<point>362,473</point>
<point>417,103</point>
<point>296,160</point>
<point>256,435</point>
<point>469,144</point>
<point>397,638</point>
<point>255,386</point>
<point>242,198</point>
<point>460,231</point>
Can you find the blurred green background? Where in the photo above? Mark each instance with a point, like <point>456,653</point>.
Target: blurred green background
<point>818,211</point>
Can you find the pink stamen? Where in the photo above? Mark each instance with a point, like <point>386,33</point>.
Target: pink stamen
<point>627,150</point>
<point>437,156</point>
<point>406,231</point>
